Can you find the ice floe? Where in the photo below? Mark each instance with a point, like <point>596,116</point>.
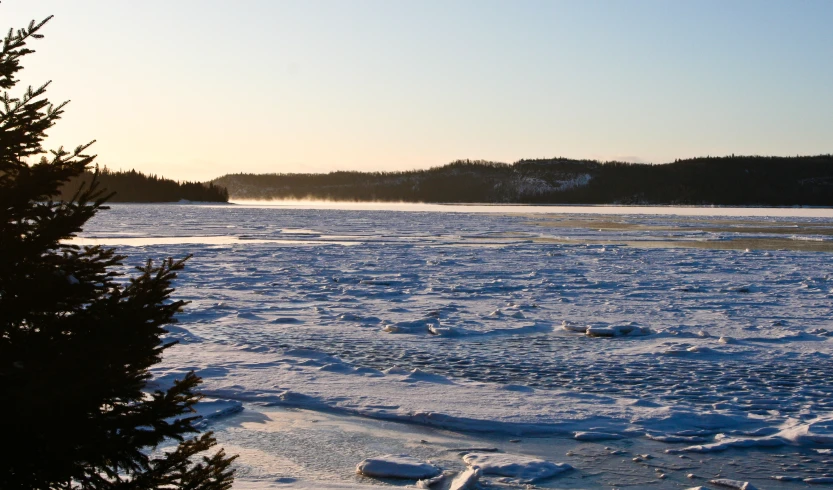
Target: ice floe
<point>521,468</point>
<point>815,432</point>
<point>422,325</point>
<point>736,484</point>
<point>397,466</point>
<point>595,436</point>
<point>607,330</point>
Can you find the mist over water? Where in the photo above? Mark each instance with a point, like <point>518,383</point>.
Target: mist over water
<point>796,212</point>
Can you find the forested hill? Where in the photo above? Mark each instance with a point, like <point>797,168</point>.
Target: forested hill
<point>133,186</point>
<point>733,180</point>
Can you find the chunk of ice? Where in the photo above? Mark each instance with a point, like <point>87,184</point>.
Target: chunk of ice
<point>737,484</point>
<point>595,436</point>
<point>422,325</point>
<point>816,431</point>
<point>522,468</point>
<point>430,482</point>
<point>397,466</point>
<point>466,480</point>
<point>572,327</point>
<point>819,480</point>
<point>630,329</point>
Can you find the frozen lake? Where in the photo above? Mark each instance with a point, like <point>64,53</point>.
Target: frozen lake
<point>589,336</point>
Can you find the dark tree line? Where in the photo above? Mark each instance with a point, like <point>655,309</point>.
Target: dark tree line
<point>133,186</point>
<point>731,180</point>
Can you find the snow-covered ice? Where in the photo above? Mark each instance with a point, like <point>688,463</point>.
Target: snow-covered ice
<point>521,468</point>
<point>466,480</point>
<point>517,324</point>
<point>738,485</point>
<point>397,466</point>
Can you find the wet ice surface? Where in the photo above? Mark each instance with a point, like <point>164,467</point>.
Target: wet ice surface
<point>738,350</point>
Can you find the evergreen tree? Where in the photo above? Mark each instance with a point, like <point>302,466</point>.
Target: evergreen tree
<point>76,342</point>
<point>133,186</point>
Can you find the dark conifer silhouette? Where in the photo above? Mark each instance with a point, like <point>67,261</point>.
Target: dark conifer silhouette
<point>133,186</point>
<point>75,341</point>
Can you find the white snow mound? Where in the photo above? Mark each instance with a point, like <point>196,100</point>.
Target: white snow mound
<point>816,431</point>
<point>397,466</point>
<point>522,468</point>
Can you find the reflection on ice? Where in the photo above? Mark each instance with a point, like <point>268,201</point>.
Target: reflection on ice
<point>194,240</point>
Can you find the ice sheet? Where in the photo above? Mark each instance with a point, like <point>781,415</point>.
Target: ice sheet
<point>471,323</point>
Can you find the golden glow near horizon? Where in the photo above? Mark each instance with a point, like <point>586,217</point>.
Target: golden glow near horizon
<point>196,89</point>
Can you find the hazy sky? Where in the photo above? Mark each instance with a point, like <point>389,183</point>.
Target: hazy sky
<point>193,89</point>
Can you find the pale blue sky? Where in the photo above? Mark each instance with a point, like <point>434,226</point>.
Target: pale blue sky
<point>193,89</point>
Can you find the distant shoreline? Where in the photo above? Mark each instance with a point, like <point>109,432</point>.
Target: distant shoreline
<point>711,181</point>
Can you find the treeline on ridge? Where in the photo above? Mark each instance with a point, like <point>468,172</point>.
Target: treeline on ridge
<point>133,186</point>
<point>730,180</point>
